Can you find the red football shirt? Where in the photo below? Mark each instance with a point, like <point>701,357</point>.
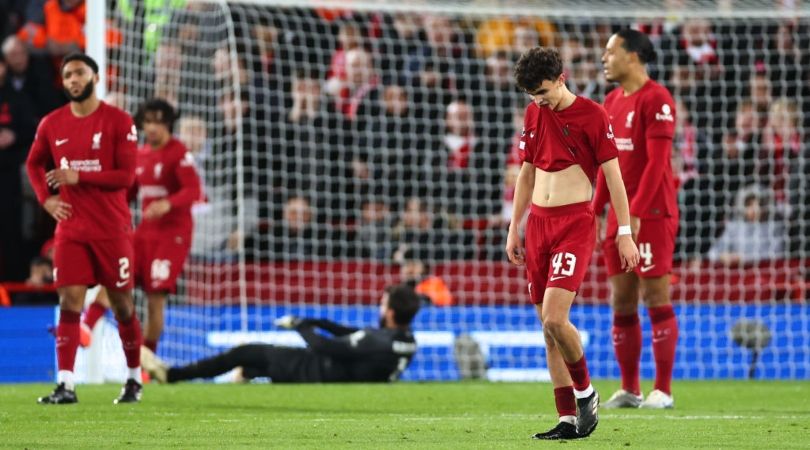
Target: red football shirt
<point>168,173</point>
<point>644,126</point>
<point>101,147</point>
<point>579,134</point>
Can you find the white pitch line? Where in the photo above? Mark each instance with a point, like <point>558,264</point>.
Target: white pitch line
<point>604,417</point>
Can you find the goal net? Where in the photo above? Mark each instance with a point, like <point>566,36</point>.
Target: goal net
<point>345,146</point>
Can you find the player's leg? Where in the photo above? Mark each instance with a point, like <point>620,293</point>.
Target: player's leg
<point>656,246</point>
<point>159,267</point>
<point>72,273</point>
<point>97,309</point>
<point>114,260</point>
<point>564,399</point>
<point>556,307</point>
<point>655,292</point>
<point>627,338</point>
<point>156,305</point>
<point>252,357</point>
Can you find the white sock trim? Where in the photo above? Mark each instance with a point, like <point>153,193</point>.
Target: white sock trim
<point>569,419</point>
<point>584,394</point>
<point>65,376</point>
<point>134,373</point>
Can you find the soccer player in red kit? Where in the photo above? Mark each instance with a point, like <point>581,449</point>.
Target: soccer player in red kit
<point>168,185</point>
<point>565,140</point>
<point>92,146</point>
<point>643,116</point>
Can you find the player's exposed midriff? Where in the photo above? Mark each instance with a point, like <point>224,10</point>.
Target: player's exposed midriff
<point>563,187</point>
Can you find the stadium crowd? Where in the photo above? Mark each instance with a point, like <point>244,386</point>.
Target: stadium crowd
<point>365,131</point>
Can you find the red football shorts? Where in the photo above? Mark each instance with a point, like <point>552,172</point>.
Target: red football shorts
<point>559,245</point>
<point>656,244</point>
<point>159,261</point>
<point>107,262</point>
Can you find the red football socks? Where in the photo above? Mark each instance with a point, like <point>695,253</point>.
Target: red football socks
<point>664,342</point>
<point>565,401</point>
<point>93,313</point>
<point>67,339</point>
<point>579,374</point>
<point>627,345</point>
<point>131,340</point>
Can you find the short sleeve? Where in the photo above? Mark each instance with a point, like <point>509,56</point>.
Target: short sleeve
<point>527,144</point>
<point>601,135</point>
<point>659,115</point>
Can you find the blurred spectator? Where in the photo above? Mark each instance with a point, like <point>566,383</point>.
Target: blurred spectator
<point>62,30</point>
<point>781,143</point>
<point>527,37</point>
<point>414,272</point>
<point>349,38</point>
<point>400,148</point>
<point>759,92</point>
<point>691,164</point>
<point>735,165</point>
<point>431,236</point>
<point>168,68</point>
<point>297,237</point>
<point>373,234</point>
<point>752,235</point>
<point>400,44</point>
<point>31,76</point>
<point>494,102</point>
<point>501,34</point>
<point>17,125</point>
<point>785,60</point>
<point>40,277</point>
<point>466,174</point>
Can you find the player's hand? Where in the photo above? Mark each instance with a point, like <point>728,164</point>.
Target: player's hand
<point>157,209</point>
<point>514,250</point>
<point>62,177</point>
<point>58,209</point>
<point>628,252</point>
<point>635,227</point>
<point>289,322</point>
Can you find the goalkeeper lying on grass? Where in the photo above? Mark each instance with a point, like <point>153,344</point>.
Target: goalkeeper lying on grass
<point>351,355</point>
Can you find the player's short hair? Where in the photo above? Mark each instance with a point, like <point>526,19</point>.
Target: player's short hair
<point>76,56</point>
<point>168,115</point>
<point>537,65</point>
<point>404,301</point>
<point>639,43</point>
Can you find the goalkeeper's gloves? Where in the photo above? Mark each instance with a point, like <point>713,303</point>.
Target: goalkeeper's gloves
<point>289,322</point>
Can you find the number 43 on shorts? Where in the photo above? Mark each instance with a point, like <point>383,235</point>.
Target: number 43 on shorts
<point>564,265</point>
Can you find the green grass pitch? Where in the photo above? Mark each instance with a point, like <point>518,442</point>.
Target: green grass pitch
<point>710,414</point>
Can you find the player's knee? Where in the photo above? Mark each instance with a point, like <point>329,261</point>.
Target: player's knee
<point>656,297</point>
<point>554,325</point>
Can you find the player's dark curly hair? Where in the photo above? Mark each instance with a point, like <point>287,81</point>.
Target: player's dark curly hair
<point>168,115</point>
<point>537,65</point>
<point>639,43</point>
<point>404,301</point>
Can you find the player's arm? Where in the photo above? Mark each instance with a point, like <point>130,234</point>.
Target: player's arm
<point>350,346</point>
<point>35,166</point>
<point>607,155</point>
<point>332,327</point>
<point>659,131</point>
<point>618,198</point>
<point>523,195</point>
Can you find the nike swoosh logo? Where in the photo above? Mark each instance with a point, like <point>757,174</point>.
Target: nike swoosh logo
<point>646,268</point>
<point>557,278</point>
<point>121,283</point>
<point>61,141</point>
<point>660,338</point>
